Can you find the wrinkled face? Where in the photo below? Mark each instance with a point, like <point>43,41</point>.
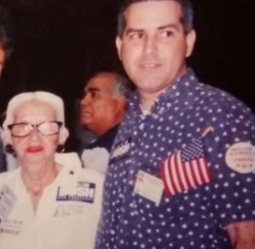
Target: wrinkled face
<point>98,106</point>
<point>2,59</point>
<point>154,45</point>
<point>35,147</point>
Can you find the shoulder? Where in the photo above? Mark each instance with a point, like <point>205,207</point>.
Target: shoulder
<point>91,176</point>
<point>68,159</point>
<point>215,103</point>
<point>96,159</point>
<point>106,140</point>
<point>217,97</point>
<point>7,177</point>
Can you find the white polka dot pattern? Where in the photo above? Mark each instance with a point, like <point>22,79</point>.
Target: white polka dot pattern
<point>193,218</point>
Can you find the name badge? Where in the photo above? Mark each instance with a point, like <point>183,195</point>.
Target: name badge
<point>149,187</point>
<point>121,149</point>
<point>7,201</point>
<point>84,192</point>
<point>11,227</point>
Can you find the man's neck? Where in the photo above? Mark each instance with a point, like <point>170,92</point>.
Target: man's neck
<point>147,100</point>
<point>112,124</point>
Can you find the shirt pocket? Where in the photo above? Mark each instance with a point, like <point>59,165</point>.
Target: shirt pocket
<point>185,169</point>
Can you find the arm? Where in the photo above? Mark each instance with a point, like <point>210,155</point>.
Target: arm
<point>242,234</point>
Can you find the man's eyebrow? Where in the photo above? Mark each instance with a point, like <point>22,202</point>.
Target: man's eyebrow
<point>92,90</point>
<point>170,25</point>
<point>131,30</point>
<point>174,26</point>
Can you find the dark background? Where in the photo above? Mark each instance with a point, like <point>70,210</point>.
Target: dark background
<point>61,43</point>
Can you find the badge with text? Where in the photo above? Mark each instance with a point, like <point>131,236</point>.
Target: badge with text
<point>121,149</point>
<point>7,201</point>
<point>149,187</point>
<point>84,192</point>
<point>11,227</point>
<point>241,157</point>
<point>65,210</point>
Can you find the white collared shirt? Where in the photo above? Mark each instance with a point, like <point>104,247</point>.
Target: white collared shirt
<point>67,214</point>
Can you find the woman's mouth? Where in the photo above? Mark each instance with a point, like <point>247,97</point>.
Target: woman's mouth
<point>34,149</point>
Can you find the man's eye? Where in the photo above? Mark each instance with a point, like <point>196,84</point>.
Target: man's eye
<point>166,33</point>
<point>136,36</point>
<point>93,94</point>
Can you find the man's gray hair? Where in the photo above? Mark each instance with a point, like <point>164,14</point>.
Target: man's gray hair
<point>122,85</point>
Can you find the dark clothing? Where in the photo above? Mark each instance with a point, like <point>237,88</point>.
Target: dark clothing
<point>3,166</point>
<point>106,140</point>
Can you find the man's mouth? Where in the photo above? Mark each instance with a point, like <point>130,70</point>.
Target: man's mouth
<point>149,65</point>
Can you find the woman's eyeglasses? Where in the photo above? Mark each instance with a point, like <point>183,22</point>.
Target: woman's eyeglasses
<point>45,128</point>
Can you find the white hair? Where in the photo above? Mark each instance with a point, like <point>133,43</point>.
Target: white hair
<point>52,99</point>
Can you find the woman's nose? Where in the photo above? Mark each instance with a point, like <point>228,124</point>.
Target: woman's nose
<point>34,134</point>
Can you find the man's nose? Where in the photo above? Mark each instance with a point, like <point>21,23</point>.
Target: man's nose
<point>150,45</point>
<point>85,100</point>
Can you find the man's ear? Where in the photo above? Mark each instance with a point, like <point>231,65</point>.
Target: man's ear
<point>121,103</point>
<point>118,43</point>
<point>190,41</point>
<point>63,135</point>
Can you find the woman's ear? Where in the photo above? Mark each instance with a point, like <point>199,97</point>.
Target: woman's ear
<point>63,135</point>
<point>6,137</point>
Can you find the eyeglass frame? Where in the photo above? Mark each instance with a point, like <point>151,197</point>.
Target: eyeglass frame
<point>32,126</point>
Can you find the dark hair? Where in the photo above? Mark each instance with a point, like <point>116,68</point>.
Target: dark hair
<point>6,31</point>
<point>186,19</point>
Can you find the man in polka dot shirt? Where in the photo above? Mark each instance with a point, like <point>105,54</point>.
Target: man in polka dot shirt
<point>181,173</point>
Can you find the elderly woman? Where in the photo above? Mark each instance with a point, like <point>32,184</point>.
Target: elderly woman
<point>47,202</point>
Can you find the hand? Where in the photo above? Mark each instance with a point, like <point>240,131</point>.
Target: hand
<point>242,234</point>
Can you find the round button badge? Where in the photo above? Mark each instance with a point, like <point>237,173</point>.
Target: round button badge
<point>241,157</point>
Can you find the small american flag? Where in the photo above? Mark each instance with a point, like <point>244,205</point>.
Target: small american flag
<point>188,168</point>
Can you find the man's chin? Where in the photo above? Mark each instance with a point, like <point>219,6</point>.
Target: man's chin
<point>85,122</point>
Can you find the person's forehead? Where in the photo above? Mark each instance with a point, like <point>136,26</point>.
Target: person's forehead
<point>34,108</point>
<point>152,14</point>
<point>104,82</point>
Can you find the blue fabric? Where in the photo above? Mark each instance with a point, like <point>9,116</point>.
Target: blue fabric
<point>2,158</point>
<point>106,140</point>
<point>194,218</point>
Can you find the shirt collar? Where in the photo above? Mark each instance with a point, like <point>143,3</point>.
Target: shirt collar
<point>182,84</point>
